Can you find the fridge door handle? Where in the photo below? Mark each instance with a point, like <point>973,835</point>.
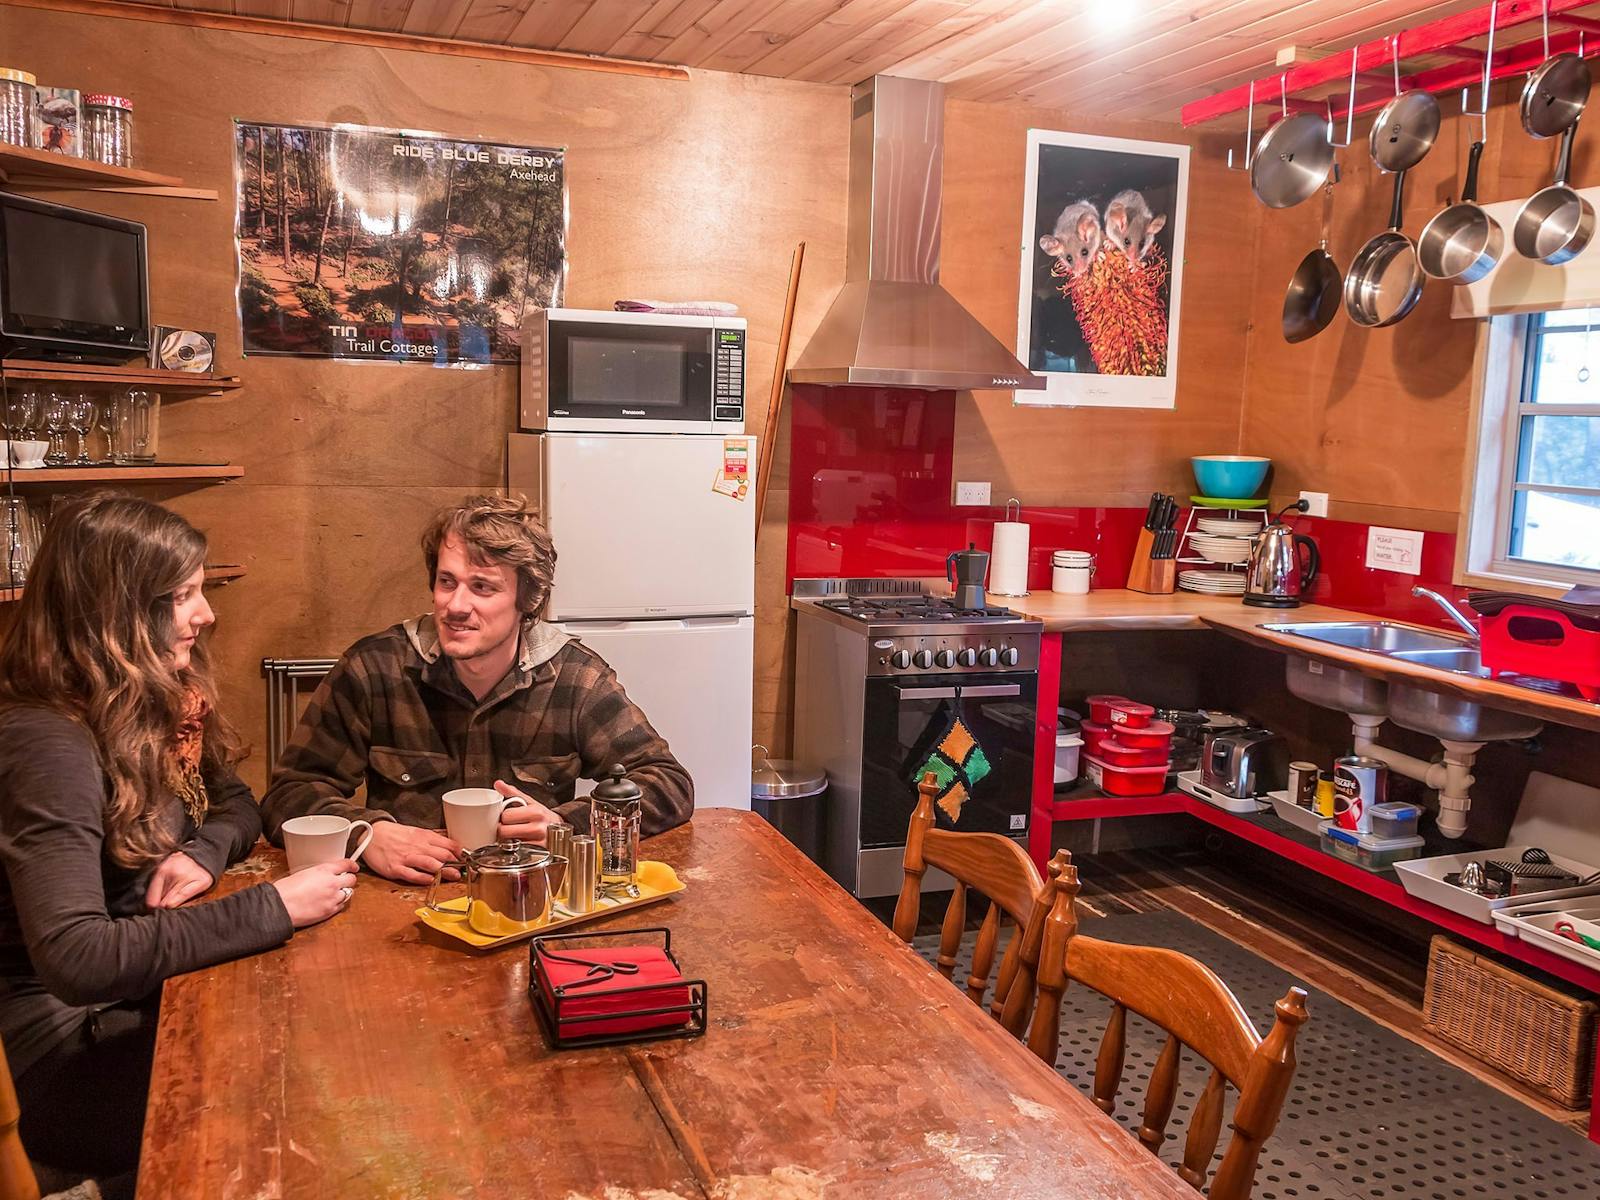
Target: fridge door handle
<point>949,693</point>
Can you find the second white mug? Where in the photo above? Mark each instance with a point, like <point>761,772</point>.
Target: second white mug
<point>472,815</point>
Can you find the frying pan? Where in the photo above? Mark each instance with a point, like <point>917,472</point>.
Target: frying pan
<point>1555,224</point>
<point>1463,242</point>
<point>1384,282</point>
<point>1292,161</point>
<point>1313,296</point>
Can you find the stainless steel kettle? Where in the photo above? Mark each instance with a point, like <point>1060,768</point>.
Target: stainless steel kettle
<point>1276,578</point>
<point>509,887</point>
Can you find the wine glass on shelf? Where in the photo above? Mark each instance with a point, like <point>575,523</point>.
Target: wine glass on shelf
<point>80,419</point>
<point>57,406</point>
<point>22,414</point>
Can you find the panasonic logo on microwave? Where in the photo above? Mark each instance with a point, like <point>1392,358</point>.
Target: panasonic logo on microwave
<point>633,412</point>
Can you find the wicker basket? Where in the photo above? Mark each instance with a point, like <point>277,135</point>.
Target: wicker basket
<point>1539,1036</point>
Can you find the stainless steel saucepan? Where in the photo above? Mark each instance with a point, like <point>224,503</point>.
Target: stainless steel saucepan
<point>1555,224</point>
<point>1384,282</point>
<point>1462,243</point>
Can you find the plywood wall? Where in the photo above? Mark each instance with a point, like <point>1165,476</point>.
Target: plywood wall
<point>677,189</point>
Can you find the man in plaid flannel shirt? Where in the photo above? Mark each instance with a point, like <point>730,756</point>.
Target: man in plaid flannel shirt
<point>480,692</point>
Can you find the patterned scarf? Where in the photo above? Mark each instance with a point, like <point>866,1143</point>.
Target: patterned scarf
<point>183,758</point>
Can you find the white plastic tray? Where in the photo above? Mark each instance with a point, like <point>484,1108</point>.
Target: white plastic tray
<point>1535,923</point>
<point>1189,781</point>
<point>1291,812</point>
<point>1424,879</point>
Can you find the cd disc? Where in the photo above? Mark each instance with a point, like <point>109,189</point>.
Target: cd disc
<point>185,350</point>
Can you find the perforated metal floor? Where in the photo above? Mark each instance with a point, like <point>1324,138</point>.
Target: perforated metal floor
<point>1371,1115</point>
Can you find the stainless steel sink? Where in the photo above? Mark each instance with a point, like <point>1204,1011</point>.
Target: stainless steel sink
<point>1338,688</point>
<point>1455,719</point>
<point>1377,637</point>
<point>1463,660</point>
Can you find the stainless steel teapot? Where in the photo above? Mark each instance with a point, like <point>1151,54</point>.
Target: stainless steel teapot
<point>510,886</point>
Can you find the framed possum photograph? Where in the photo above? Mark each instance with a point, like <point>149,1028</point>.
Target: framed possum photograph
<point>1103,223</point>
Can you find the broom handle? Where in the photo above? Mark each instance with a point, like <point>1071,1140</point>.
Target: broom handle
<point>769,432</point>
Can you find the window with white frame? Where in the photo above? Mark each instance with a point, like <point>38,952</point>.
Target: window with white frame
<point>1536,504</point>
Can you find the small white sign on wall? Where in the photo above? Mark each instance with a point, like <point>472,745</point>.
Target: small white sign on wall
<point>1397,550</point>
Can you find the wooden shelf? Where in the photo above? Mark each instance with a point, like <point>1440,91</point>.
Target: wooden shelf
<point>24,168</point>
<point>221,575</point>
<point>157,473</point>
<point>176,384</point>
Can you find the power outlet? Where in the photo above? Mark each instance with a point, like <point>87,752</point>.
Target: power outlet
<point>1316,503</point>
<point>972,493</point>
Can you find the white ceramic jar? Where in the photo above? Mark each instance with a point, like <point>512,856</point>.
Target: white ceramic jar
<point>1071,571</point>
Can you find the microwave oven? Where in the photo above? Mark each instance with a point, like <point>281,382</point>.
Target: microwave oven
<point>593,371</point>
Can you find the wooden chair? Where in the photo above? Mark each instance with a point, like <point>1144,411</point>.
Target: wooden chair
<point>1196,1009</point>
<point>17,1180</point>
<point>999,869</point>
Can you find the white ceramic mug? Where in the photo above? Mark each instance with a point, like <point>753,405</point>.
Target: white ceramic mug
<point>319,839</point>
<point>472,815</point>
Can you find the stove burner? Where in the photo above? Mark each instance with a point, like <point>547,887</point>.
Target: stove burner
<point>913,608</point>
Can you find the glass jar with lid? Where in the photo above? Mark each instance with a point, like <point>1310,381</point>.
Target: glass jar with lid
<point>108,129</point>
<point>18,93</point>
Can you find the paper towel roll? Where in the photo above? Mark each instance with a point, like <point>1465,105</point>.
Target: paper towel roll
<point>1008,567</point>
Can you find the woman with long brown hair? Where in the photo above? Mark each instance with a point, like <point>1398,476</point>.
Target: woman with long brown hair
<point>118,803</point>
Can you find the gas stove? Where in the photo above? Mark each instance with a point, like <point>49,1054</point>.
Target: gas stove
<point>897,610</point>
<point>911,631</point>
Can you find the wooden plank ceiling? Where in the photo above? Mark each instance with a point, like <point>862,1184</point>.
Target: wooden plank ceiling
<point>1115,58</point>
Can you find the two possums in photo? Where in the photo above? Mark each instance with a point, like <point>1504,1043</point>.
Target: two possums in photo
<point>1114,274</point>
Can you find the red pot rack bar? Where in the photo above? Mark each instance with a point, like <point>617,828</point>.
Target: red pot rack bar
<point>1445,38</point>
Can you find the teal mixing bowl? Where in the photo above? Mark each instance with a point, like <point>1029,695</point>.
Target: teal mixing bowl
<point>1230,476</point>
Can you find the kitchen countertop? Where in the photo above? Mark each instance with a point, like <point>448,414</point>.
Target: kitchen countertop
<point>1119,609</point>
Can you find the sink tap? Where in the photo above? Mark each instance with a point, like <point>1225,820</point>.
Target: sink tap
<point>1454,613</point>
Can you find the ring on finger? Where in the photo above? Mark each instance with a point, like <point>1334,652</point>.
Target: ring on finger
<point>345,893</point>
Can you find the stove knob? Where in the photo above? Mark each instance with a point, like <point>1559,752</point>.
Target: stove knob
<point>989,657</point>
<point>900,659</point>
<point>967,657</point>
<point>923,659</point>
<point>945,658</point>
<point>1009,656</point>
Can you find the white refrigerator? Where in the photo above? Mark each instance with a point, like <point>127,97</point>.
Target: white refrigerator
<point>655,571</point>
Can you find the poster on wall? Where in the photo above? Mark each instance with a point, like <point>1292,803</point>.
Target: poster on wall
<point>379,244</point>
<point>1102,269</point>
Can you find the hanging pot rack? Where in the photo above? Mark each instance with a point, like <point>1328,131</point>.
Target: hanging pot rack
<point>1322,86</point>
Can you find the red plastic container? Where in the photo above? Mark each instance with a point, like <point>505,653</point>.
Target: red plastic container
<point>1094,734</point>
<point>1114,752</point>
<point>1127,781</point>
<point>1131,712</point>
<point>1543,642</point>
<point>1155,736</point>
<point>1100,707</point>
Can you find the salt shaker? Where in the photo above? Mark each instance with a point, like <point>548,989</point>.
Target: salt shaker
<point>615,808</point>
<point>558,840</point>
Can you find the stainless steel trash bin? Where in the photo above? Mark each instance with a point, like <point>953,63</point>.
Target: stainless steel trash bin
<point>792,797</point>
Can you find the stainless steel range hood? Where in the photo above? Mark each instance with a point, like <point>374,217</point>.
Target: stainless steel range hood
<point>892,325</point>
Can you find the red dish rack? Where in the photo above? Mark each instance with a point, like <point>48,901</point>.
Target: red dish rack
<point>1528,639</point>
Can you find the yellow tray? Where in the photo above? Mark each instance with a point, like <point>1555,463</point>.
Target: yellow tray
<point>656,881</point>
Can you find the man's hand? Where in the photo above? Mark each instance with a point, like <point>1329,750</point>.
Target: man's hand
<point>408,854</point>
<point>529,822</point>
<point>178,879</point>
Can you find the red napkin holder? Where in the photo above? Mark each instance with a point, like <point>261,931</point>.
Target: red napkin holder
<point>592,990</point>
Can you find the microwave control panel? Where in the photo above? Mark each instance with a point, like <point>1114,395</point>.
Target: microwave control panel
<point>728,374</point>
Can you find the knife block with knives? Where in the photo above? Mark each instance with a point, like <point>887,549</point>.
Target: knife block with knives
<point>1155,555</point>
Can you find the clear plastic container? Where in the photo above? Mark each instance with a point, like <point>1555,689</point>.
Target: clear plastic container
<point>108,129</point>
<point>18,91</point>
<point>1365,850</point>
<point>1395,820</point>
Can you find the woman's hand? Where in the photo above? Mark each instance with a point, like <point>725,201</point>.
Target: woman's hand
<point>177,880</point>
<point>318,892</point>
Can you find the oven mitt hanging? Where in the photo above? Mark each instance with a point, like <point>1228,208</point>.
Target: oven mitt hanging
<point>957,763</point>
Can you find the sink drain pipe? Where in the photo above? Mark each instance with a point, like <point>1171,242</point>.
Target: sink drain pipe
<point>1451,778</point>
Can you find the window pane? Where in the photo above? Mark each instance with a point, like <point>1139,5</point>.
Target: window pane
<point>1553,528</point>
<point>1564,451</point>
<point>1564,356</point>
<point>1569,317</point>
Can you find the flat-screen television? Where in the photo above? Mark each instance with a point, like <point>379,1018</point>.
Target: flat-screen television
<point>73,284</point>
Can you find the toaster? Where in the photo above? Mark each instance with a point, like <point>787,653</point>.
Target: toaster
<point>1245,762</point>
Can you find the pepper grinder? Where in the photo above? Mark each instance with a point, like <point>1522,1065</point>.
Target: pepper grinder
<point>615,808</point>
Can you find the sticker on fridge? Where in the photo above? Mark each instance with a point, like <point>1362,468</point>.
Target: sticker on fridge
<point>733,476</point>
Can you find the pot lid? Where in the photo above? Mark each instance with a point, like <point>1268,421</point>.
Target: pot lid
<point>1292,162</point>
<point>509,856</point>
<point>781,779</point>
<point>617,788</point>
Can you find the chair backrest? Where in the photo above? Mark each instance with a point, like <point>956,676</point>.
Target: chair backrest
<point>996,867</point>
<point>17,1181</point>
<point>290,681</point>
<point>1196,1009</point>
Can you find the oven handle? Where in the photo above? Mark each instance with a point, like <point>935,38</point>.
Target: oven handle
<point>949,693</point>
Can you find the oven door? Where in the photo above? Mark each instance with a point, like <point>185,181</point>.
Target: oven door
<point>906,719</point>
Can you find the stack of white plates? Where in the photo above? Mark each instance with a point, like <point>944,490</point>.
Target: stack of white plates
<point>1228,526</point>
<point>1221,549</point>
<point>1215,583</point>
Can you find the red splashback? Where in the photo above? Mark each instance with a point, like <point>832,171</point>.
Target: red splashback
<point>871,482</point>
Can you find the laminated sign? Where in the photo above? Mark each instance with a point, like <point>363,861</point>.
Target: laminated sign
<point>733,476</point>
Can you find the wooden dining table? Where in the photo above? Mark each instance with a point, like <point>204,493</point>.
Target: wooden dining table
<point>373,1057</point>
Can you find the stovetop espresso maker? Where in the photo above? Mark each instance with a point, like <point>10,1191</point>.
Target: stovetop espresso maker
<point>966,569</point>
